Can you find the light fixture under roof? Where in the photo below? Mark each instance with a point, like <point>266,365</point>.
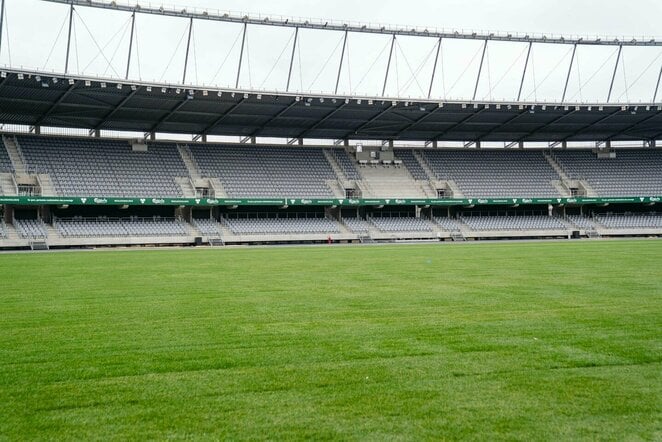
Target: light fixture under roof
<point>88,83</point>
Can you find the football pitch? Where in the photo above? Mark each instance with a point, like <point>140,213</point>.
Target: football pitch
<point>533,340</point>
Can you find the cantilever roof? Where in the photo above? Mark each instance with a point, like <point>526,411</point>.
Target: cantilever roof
<point>36,99</point>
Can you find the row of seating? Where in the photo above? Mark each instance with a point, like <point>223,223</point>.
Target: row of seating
<point>246,226</point>
<point>106,167</point>
<point>31,228</point>
<point>119,227</point>
<point>630,220</point>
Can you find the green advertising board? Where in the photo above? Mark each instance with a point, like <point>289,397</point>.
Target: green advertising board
<point>344,202</point>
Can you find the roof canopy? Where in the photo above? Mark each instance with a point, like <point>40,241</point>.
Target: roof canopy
<point>41,99</point>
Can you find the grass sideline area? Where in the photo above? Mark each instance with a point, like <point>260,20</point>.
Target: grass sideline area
<point>534,340</point>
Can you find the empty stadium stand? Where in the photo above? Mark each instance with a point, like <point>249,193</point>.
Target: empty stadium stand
<point>494,174</point>
<point>400,224</point>
<point>630,220</point>
<point>119,227</point>
<point>633,172</point>
<point>525,222</point>
<point>109,168</point>
<point>31,228</point>
<point>250,171</point>
<point>280,225</point>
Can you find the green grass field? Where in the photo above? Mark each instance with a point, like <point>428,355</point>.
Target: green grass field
<point>536,340</point>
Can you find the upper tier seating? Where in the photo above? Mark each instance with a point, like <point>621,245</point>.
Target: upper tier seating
<point>634,172</point>
<point>119,227</point>
<point>248,226</point>
<point>5,162</point>
<point>411,163</point>
<point>89,167</point>
<point>262,171</point>
<point>346,163</point>
<point>529,222</point>
<point>31,228</point>
<point>401,224</point>
<point>630,220</point>
<point>492,174</point>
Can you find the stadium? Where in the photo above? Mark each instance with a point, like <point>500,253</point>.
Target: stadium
<point>484,209</point>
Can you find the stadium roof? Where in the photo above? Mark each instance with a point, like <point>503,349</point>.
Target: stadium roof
<point>42,99</point>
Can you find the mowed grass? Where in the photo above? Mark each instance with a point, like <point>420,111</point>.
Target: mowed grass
<point>537,340</point>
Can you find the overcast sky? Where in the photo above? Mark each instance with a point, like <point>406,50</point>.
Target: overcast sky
<point>37,39</point>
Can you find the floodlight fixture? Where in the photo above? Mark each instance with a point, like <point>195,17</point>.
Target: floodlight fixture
<point>134,87</point>
<point>103,85</point>
<point>119,86</point>
<point>245,96</point>
<point>3,74</point>
<point>88,83</point>
<point>149,88</point>
<point>19,76</point>
<point>164,90</point>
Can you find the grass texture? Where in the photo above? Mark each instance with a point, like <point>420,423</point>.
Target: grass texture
<point>484,341</point>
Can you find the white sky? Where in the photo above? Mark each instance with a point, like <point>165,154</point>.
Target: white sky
<point>33,26</point>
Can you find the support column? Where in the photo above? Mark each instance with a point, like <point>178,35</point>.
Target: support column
<point>2,21</point>
<point>188,47</point>
<point>434,68</point>
<point>526,65</point>
<point>613,77</point>
<point>480,68</point>
<point>388,65</point>
<point>567,78</point>
<point>241,55</point>
<point>294,47</point>
<point>657,85</point>
<point>342,57</point>
<point>128,61</point>
<point>71,19</point>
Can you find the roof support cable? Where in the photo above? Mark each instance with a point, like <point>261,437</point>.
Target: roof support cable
<point>328,59</point>
<point>551,71</point>
<point>220,67</point>
<point>415,73</point>
<point>374,62</point>
<point>59,33</point>
<point>641,74</point>
<point>172,57</point>
<point>101,52</point>
<point>466,68</point>
<point>280,56</point>
<point>607,59</point>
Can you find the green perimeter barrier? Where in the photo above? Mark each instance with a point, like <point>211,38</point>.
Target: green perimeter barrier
<point>202,202</point>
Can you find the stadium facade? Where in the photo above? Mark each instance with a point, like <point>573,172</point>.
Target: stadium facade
<point>78,191</point>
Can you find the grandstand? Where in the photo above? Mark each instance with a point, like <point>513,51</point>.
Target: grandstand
<point>88,160</point>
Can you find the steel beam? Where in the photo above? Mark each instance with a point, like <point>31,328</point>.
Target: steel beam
<point>116,108</point>
<point>188,47</point>
<point>388,65</point>
<point>370,121</point>
<point>71,20</point>
<point>567,78</point>
<point>128,60</point>
<point>2,21</point>
<point>326,117</point>
<point>220,119</point>
<point>588,126</point>
<point>342,57</point>
<point>434,68</point>
<point>632,126</point>
<point>657,85</point>
<point>294,47</point>
<point>358,28</point>
<point>613,77</point>
<point>480,68</point>
<point>275,117</point>
<point>51,109</point>
<point>526,65</point>
<point>241,55</point>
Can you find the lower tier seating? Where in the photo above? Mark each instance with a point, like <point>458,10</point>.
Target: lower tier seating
<point>303,225</point>
<point>530,222</point>
<point>31,228</point>
<point>630,220</point>
<point>119,227</point>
